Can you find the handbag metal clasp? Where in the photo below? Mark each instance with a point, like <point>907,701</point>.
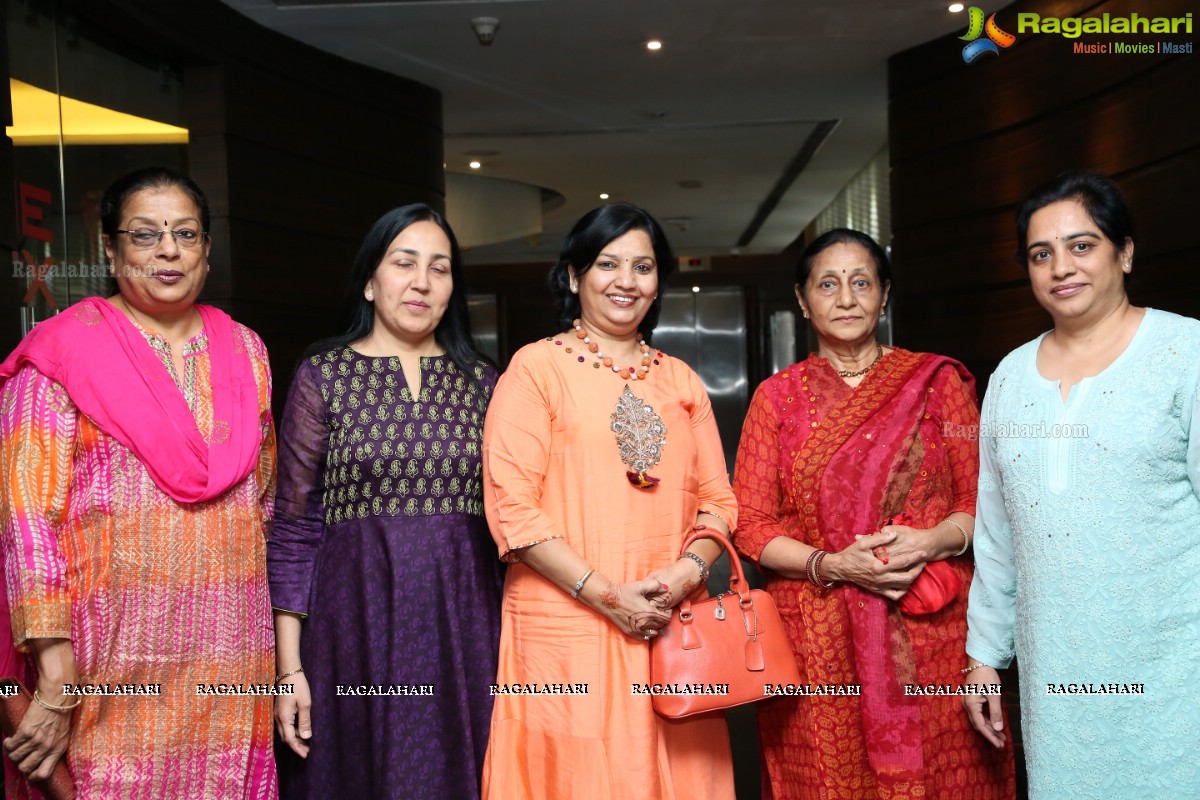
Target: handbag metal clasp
<point>720,612</point>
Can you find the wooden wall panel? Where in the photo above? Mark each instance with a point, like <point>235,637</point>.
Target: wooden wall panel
<point>967,143</point>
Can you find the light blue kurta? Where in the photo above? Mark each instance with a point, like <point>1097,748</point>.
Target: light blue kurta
<point>1087,553</point>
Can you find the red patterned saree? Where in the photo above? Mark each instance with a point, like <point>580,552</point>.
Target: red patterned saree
<point>820,462</point>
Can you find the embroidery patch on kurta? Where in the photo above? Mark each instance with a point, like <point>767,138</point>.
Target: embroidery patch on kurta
<point>641,436</point>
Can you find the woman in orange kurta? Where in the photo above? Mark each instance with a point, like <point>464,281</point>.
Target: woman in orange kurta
<point>834,450</point>
<point>600,455</point>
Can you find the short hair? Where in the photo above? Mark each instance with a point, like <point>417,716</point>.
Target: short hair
<point>112,205</point>
<point>357,315</point>
<point>883,265</point>
<point>1100,197</point>
<point>583,244</point>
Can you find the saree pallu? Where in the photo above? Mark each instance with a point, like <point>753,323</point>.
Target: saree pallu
<point>821,462</point>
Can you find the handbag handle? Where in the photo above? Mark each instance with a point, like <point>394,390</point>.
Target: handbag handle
<point>737,579</point>
<point>755,661</point>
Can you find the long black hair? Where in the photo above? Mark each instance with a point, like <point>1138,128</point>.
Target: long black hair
<point>356,316</point>
<point>584,242</point>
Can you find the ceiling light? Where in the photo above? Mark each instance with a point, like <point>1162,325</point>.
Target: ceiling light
<point>954,8</point>
<point>696,289</point>
<point>654,44</point>
<point>604,195</point>
<point>474,165</point>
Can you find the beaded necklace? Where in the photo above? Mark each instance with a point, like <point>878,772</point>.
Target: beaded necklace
<point>626,373</point>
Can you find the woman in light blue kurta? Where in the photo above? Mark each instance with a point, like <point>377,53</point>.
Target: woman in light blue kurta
<point>1087,538</point>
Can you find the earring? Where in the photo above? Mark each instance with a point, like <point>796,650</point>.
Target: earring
<point>574,287</point>
<point>370,295</point>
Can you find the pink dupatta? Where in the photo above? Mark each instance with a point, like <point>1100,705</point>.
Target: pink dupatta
<point>859,463</point>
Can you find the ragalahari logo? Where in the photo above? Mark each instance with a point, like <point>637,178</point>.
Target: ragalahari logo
<point>996,38</point>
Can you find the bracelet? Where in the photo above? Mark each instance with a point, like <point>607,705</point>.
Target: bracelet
<point>966,538</point>
<point>579,584</point>
<point>701,562</point>
<point>296,671</point>
<point>808,565</point>
<point>37,698</point>
<point>972,668</point>
<point>816,571</point>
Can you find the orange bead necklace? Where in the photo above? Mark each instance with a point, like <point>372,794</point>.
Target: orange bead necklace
<point>627,373</point>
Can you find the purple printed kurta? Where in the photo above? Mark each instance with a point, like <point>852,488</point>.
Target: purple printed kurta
<point>380,540</point>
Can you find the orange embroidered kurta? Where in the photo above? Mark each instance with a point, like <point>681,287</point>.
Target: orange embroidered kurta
<point>816,748</point>
<point>152,592</point>
<point>553,469</point>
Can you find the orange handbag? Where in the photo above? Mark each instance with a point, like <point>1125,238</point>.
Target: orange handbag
<point>720,652</point>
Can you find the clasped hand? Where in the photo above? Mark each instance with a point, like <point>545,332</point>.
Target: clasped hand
<point>886,562</point>
<point>643,608</point>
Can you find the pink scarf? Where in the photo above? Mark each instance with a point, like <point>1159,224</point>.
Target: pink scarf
<point>115,379</point>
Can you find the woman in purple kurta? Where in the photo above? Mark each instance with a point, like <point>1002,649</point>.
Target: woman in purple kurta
<point>384,577</point>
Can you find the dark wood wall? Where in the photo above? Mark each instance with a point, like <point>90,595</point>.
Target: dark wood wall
<point>298,151</point>
<point>968,141</point>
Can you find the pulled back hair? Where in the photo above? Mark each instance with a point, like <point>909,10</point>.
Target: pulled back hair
<point>583,244</point>
<point>356,316</point>
<point>112,205</point>
<point>1100,197</point>
<point>883,265</point>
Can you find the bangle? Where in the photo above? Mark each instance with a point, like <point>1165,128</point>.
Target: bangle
<point>37,698</point>
<point>816,572</point>
<point>972,668</point>
<point>963,531</point>
<point>579,584</point>
<point>701,562</point>
<point>296,671</point>
<point>808,565</point>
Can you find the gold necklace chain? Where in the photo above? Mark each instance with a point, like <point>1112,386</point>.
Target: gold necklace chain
<point>845,373</point>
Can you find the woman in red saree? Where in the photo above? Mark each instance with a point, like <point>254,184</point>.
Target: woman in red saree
<point>834,450</point>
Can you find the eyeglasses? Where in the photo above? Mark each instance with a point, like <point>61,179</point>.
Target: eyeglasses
<point>145,238</point>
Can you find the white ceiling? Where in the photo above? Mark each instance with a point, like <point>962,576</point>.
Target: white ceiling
<point>570,99</point>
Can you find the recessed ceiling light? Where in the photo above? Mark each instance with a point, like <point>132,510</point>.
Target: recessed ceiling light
<point>654,44</point>
<point>474,165</point>
<point>604,195</point>
<point>695,288</point>
<point>954,8</point>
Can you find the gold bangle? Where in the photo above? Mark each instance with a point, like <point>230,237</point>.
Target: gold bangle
<point>37,698</point>
<point>296,671</point>
<point>966,538</point>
